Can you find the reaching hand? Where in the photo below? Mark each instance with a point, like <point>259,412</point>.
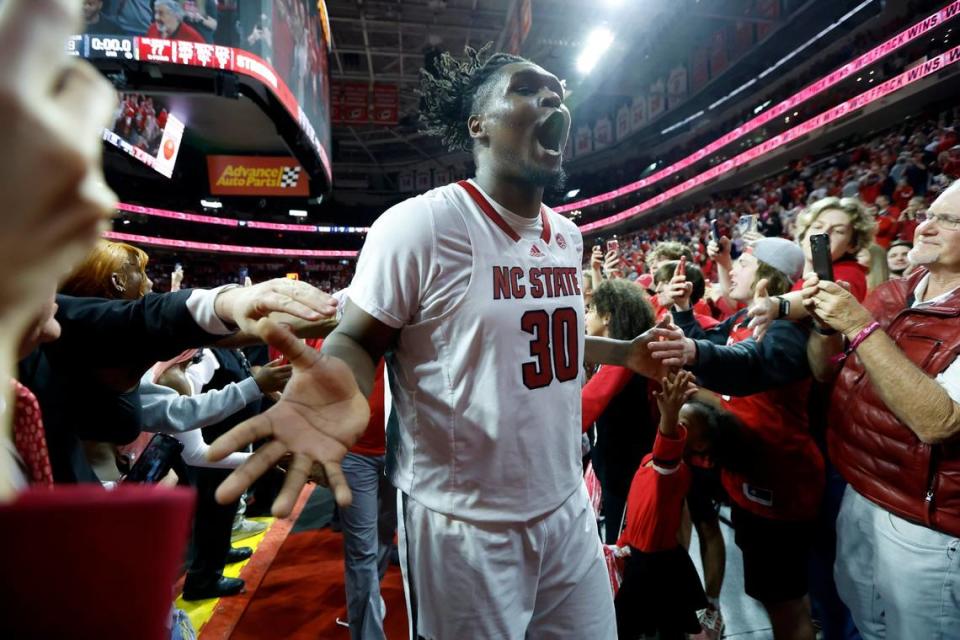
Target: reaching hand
<point>763,311</point>
<point>246,306</point>
<point>273,376</point>
<point>657,349</point>
<point>675,389</point>
<point>319,417</point>
<point>176,279</point>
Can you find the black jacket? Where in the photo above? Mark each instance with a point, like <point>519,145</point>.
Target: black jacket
<point>100,334</point>
<point>746,367</point>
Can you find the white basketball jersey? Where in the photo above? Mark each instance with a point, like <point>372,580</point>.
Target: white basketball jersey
<point>485,374</point>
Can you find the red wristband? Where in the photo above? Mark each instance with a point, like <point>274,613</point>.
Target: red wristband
<point>856,342</point>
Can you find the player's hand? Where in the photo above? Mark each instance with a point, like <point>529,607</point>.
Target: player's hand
<point>321,415</point>
<point>246,306</point>
<point>53,108</point>
<point>658,348</point>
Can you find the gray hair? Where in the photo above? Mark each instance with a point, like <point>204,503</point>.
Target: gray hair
<point>173,5</point>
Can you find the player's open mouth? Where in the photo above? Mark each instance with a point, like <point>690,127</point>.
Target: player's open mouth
<point>552,133</point>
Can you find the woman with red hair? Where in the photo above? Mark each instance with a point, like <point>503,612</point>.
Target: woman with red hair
<point>112,270</point>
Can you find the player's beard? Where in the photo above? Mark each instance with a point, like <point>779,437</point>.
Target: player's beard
<point>554,180</point>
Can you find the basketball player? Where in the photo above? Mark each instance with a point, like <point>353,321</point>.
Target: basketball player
<point>473,292</point>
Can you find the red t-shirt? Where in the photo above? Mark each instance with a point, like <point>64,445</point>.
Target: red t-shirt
<point>655,501</point>
<point>902,195</point>
<point>788,477</point>
<point>851,272</point>
<point>887,228</point>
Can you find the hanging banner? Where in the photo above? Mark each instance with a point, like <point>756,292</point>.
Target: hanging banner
<point>353,108</point>
<point>638,113</point>
<point>699,69</point>
<point>441,177</point>
<point>256,176</point>
<point>657,99</point>
<point>386,104</point>
<point>623,122</point>
<point>602,134</point>
<point>584,141</point>
<point>423,180</point>
<point>718,53</point>
<point>676,86</point>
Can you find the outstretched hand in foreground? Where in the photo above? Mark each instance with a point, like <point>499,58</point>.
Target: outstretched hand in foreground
<point>321,414</point>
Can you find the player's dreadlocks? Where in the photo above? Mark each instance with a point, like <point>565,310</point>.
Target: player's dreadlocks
<point>451,91</point>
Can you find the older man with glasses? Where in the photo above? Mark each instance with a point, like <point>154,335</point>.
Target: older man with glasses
<point>893,431</point>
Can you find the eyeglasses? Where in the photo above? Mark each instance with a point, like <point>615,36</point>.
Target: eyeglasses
<point>942,220</point>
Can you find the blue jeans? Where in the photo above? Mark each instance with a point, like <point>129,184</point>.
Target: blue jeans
<point>369,524</point>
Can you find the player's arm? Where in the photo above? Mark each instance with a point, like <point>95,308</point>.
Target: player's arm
<point>360,340</point>
<point>647,354</point>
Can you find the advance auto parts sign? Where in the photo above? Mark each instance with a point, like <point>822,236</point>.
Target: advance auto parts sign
<point>256,176</point>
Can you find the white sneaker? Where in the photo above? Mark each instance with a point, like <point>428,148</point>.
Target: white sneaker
<point>247,529</point>
<point>711,623</point>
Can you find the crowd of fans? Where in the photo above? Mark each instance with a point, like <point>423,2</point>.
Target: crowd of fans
<point>812,391</point>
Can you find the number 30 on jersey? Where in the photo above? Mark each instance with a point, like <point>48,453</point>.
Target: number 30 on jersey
<point>555,347</point>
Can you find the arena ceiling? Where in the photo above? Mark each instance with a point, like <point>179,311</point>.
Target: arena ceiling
<point>383,41</point>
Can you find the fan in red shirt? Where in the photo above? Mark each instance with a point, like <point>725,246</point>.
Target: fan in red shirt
<point>851,228</point>
<point>678,279</point>
<point>661,591</point>
<point>169,25</point>
<point>902,194</point>
<point>888,221</point>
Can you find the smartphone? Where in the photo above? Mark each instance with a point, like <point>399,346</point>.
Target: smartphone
<point>244,272</point>
<point>156,460</point>
<point>599,244</point>
<point>715,232</point>
<point>820,252</point>
<point>613,244</point>
<point>747,224</point>
<point>178,267</point>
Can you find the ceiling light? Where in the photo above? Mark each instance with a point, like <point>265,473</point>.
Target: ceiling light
<point>298,213</point>
<point>594,47</point>
<point>211,204</point>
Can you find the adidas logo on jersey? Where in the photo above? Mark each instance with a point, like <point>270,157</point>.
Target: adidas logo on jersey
<point>535,251</point>
<point>561,242</point>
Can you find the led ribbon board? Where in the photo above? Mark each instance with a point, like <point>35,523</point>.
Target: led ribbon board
<point>892,85</point>
<point>904,37</point>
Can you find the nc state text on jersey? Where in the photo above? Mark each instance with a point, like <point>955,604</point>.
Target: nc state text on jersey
<point>540,282</point>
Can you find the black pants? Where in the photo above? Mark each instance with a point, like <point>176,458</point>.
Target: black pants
<point>212,525</point>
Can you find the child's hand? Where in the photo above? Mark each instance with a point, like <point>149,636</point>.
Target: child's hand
<point>676,388</point>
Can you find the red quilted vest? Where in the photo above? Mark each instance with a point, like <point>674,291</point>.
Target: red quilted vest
<point>877,454</point>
